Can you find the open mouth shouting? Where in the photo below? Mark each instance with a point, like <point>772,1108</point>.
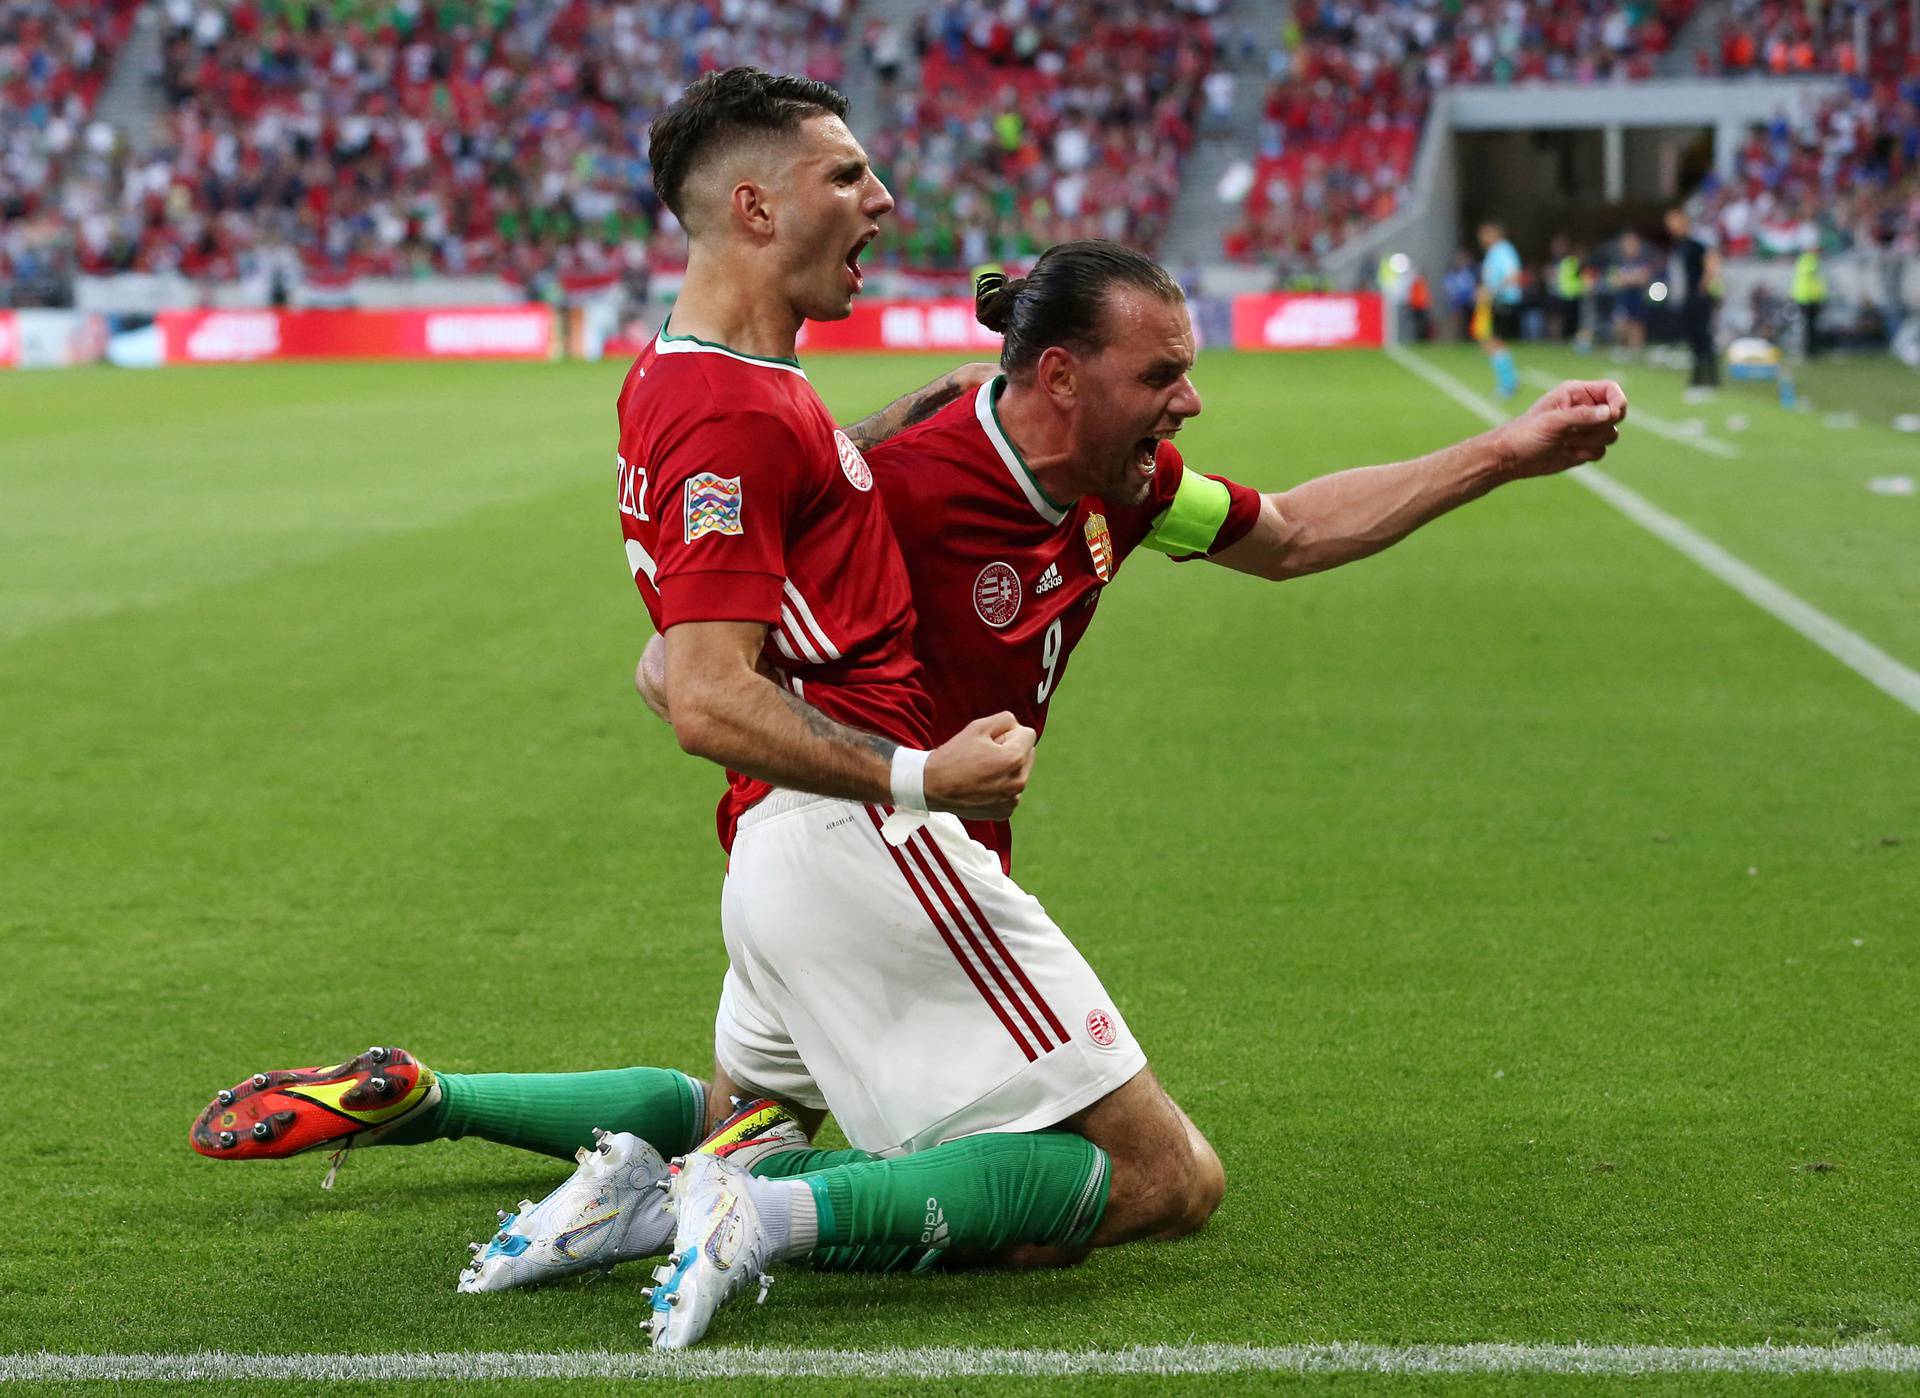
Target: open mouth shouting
<point>855,277</point>
<point>1148,448</point>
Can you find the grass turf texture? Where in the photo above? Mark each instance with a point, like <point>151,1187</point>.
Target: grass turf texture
<point>1522,913</point>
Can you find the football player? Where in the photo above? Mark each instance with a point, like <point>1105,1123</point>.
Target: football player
<point>1015,507</point>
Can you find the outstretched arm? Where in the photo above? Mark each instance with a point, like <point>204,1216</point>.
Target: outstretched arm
<point>1348,515</point>
<point>918,405</point>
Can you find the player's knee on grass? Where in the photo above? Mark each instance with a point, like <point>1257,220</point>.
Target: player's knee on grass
<point>1151,1196</point>
<point>1161,1185</point>
<point>1209,1187</point>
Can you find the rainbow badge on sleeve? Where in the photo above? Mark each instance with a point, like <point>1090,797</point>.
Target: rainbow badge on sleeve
<point>713,505</point>
<point>1100,545</point>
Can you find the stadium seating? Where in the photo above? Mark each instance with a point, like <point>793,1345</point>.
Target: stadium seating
<point>506,139</point>
<point>1844,179</point>
<point>396,139</point>
<point>1343,116</point>
<point>54,59</point>
<point>1070,122</point>
<point>1781,39</point>
<point>329,139</point>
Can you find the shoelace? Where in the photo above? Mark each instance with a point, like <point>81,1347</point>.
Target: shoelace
<point>334,1162</point>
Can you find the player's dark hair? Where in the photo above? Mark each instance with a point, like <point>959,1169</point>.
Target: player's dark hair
<point>1063,299</point>
<point>718,109</point>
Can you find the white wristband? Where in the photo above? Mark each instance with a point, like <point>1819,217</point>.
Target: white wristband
<point>910,779</point>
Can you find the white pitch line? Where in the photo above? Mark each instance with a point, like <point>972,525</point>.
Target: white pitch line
<point>1659,426</point>
<point>1848,647</point>
<point>935,1363</point>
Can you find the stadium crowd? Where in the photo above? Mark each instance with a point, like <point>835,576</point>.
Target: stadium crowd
<point>1353,82</point>
<point>1849,37</point>
<point>401,137</point>
<point>54,59</point>
<point>415,136</point>
<point>1847,178</point>
<point>335,138</point>
<point>1040,122</point>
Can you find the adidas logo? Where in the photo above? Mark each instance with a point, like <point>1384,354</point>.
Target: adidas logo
<point>1049,580</point>
<point>936,1234</point>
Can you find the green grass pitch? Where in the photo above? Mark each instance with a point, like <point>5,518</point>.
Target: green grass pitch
<point>1531,921</point>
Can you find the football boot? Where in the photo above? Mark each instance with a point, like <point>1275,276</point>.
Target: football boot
<point>612,1209</point>
<point>720,1249</point>
<point>293,1110</point>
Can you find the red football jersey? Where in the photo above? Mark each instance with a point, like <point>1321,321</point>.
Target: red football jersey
<point>740,501</point>
<point>1005,580</point>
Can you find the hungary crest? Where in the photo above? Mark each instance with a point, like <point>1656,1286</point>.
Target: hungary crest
<point>1100,545</point>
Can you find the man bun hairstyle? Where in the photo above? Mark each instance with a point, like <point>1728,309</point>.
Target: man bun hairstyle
<point>719,109</point>
<point>993,298</point>
<point>1063,299</point>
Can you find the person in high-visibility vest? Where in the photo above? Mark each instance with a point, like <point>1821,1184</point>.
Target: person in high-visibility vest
<point>1810,295</point>
<point>1567,288</point>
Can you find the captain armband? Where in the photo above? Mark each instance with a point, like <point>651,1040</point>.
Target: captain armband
<point>1192,522</point>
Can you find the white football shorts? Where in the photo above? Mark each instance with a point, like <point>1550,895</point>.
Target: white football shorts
<point>915,992</point>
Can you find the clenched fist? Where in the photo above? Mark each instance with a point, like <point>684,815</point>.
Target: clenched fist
<point>979,773</point>
<point>1574,423</point>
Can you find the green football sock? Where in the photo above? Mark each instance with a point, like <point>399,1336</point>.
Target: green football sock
<point>980,1195</point>
<point>879,1257</point>
<point>555,1113</point>
<point>789,1163</point>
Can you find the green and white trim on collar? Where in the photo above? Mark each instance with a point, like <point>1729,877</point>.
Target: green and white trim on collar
<point>986,407</point>
<point>665,343</point>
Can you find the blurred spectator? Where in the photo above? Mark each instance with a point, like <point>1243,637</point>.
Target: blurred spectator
<point>1462,284</point>
<point>1632,272</point>
<point>1848,37</point>
<point>1848,178</point>
<point>1697,281</point>
<point>402,137</point>
<point>54,59</point>
<point>1350,95</point>
<point>1036,123</point>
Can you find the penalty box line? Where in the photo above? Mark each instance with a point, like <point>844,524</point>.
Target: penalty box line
<point>933,1363</point>
<point>1850,648</point>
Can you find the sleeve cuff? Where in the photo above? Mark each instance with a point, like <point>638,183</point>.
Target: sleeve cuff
<point>713,596</point>
<point>1243,512</point>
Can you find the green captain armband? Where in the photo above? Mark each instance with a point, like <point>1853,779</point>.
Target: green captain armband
<point>1192,522</point>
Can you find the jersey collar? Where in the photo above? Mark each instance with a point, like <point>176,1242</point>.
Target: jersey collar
<point>986,407</point>
<point>665,343</point>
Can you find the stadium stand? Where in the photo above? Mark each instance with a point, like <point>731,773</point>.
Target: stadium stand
<point>412,137</point>
<point>1344,113</point>
<point>509,139</point>
<point>1067,120</point>
<point>54,59</point>
<point>327,140</point>
<point>1849,37</point>
<point>1849,178</point>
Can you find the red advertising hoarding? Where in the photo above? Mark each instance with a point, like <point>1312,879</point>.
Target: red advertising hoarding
<point>1276,322</point>
<point>1307,321</point>
<point>901,325</point>
<point>482,332</point>
<point>9,340</point>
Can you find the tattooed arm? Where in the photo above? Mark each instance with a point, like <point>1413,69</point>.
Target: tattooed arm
<point>917,406</point>
<point>723,709</point>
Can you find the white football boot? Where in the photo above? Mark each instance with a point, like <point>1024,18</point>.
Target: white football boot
<point>612,1209</point>
<point>719,1249</point>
